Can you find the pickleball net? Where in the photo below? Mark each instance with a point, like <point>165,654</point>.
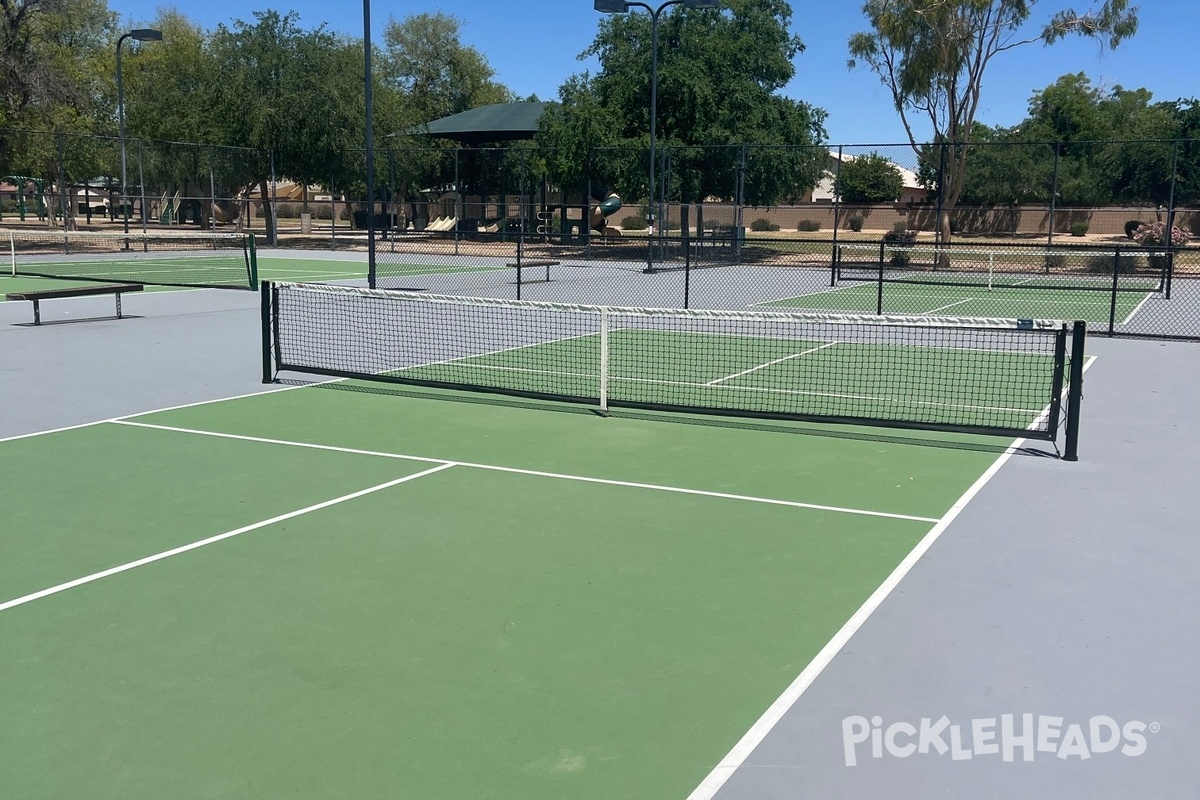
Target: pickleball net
<point>186,259</point>
<point>988,376</point>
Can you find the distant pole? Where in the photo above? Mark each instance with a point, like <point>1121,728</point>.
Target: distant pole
<point>370,142</point>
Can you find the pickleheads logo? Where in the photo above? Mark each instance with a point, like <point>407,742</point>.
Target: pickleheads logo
<point>1010,734</point>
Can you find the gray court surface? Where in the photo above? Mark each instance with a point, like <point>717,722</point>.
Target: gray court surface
<point>1060,591</point>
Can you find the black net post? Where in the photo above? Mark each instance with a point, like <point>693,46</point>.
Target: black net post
<point>1075,390</point>
<point>268,374</point>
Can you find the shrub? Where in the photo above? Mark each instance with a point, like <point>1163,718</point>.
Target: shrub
<point>1155,235</point>
<point>855,222</point>
<point>900,227</point>
<point>8,206</point>
<point>634,223</point>
<point>287,211</point>
<point>808,225</point>
<point>1103,264</point>
<point>763,224</point>
<point>322,211</point>
<point>1131,226</point>
<point>1055,260</point>
<point>899,260</point>
<point>1079,228</point>
<point>900,237</point>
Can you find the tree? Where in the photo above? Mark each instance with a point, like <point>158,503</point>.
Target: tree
<point>869,179</point>
<point>719,77</point>
<point>294,97</point>
<point>932,55</point>
<point>424,59</point>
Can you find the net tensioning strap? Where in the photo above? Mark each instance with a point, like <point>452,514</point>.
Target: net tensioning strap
<point>218,260</point>
<point>1065,268</point>
<point>972,375</point>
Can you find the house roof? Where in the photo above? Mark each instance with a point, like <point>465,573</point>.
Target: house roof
<point>499,122</point>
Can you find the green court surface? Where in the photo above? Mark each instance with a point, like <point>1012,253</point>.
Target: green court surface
<point>971,301</point>
<point>24,283</point>
<point>354,591</point>
<point>855,379</point>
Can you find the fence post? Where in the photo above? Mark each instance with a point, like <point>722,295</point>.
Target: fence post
<point>837,215</point>
<point>1112,308</point>
<point>939,235</point>
<point>879,292</point>
<point>685,234</point>
<point>1053,194</point>
<point>141,187</point>
<point>1075,391</point>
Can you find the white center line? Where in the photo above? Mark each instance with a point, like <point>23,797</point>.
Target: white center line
<point>62,587</point>
<point>769,363</point>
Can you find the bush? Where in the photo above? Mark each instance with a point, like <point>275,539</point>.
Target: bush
<point>1103,264</point>
<point>763,224</point>
<point>1131,226</point>
<point>287,211</point>
<point>899,260</point>
<point>900,237</point>
<point>8,206</point>
<point>1055,260</point>
<point>808,225</point>
<point>322,211</point>
<point>634,223</point>
<point>900,227</point>
<point>855,222</point>
<point>1155,235</point>
<point>1079,228</point>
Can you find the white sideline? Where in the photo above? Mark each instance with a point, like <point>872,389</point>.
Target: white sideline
<point>62,587</point>
<point>531,472</point>
<point>734,759</point>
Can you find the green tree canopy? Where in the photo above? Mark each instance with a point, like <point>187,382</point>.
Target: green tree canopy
<point>720,73</point>
<point>869,179</point>
<point>933,55</point>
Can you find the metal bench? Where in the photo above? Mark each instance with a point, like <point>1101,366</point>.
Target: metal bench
<point>533,264</point>
<point>39,295</point>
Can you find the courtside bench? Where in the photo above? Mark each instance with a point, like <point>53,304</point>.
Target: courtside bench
<point>38,295</point>
<point>532,264</point>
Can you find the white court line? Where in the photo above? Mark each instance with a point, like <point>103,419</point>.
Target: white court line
<point>1136,309</point>
<point>952,305</point>
<point>753,737</point>
<point>779,300</point>
<point>532,472</point>
<point>770,363</point>
<point>141,562</point>
<point>152,411</point>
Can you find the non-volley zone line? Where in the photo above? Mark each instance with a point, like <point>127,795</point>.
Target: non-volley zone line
<point>438,465</point>
<point>531,472</point>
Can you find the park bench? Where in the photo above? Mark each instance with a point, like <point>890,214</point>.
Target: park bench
<point>533,263</point>
<point>38,295</point>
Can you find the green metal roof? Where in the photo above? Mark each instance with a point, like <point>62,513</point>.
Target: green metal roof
<point>499,122</point>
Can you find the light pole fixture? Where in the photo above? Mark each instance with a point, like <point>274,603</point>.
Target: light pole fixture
<point>621,7</point>
<point>141,35</point>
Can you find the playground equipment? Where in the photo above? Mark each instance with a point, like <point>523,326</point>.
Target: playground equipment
<point>609,204</point>
<point>20,181</point>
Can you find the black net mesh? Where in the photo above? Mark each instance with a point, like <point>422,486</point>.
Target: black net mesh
<point>989,376</point>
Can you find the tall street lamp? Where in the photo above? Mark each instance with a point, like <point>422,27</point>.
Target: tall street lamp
<point>621,7</point>
<point>141,35</point>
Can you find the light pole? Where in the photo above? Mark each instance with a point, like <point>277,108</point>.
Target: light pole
<point>621,7</point>
<point>141,35</point>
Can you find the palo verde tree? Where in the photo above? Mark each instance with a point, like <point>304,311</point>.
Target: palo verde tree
<point>933,54</point>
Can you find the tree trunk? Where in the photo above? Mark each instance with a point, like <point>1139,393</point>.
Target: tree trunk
<point>268,212</point>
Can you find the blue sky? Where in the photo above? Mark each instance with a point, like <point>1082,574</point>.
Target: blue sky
<point>533,44</point>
